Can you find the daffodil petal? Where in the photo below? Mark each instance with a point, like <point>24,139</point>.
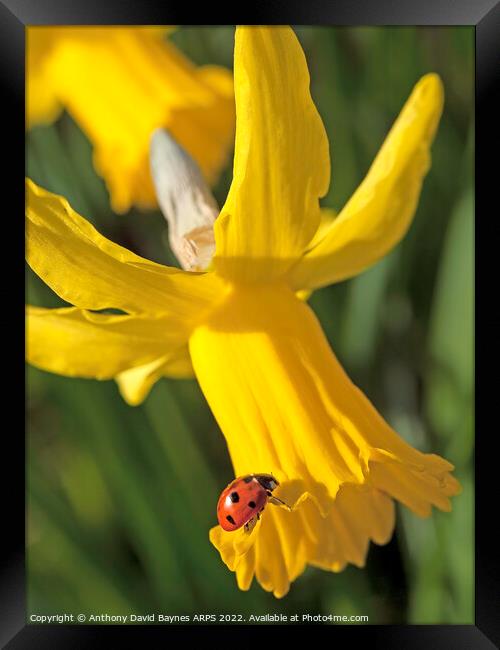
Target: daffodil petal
<point>91,272</point>
<point>135,383</point>
<point>281,162</point>
<point>78,343</point>
<point>42,104</point>
<point>328,217</point>
<point>121,86</point>
<point>206,131</point>
<point>43,101</point>
<point>381,210</point>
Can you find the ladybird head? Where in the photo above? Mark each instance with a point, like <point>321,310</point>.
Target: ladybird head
<point>267,481</point>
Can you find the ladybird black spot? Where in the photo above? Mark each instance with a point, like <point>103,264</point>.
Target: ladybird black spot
<point>230,519</point>
<point>251,504</point>
<point>235,497</point>
<point>248,479</point>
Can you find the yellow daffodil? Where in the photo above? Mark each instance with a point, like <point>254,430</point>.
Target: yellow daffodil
<point>279,394</point>
<point>119,84</point>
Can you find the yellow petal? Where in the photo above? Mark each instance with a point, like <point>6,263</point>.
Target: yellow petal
<point>122,86</point>
<point>42,104</point>
<point>78,343</point>
<point>207,131</point>
<point>328,217</point>
<point>89,271</point>
<point>338,462</point>
<point>281,162</point>
<point>380,211</point>
<point>135,383</point>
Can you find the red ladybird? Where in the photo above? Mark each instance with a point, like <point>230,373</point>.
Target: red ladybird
<point>241,503</point>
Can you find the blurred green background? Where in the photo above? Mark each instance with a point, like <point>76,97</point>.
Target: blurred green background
<point>112,489</point>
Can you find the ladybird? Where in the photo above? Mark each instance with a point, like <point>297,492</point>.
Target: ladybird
<point>242,501</point>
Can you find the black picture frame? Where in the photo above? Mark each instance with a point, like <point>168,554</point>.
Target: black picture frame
<point>15,15</point>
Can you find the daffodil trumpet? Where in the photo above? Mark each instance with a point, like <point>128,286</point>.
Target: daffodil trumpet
<point>276,388</point>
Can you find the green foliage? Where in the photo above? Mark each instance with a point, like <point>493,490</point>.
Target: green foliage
<point>121,499</point>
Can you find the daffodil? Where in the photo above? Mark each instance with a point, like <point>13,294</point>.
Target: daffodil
<point>277,390</point>
<point>119,84</point>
